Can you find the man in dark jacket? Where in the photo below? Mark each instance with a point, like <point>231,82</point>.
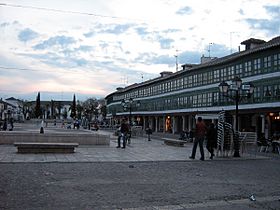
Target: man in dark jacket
<point>211,139</point>
<point>124,129</point>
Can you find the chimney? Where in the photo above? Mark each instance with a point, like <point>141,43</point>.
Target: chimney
<point>252,43</point>
<point>165,73</point>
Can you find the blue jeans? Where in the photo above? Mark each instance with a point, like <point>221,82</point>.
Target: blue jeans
<point>123,137</point>
<point>198,140</point>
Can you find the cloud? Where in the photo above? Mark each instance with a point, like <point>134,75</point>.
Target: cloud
<point>165,43</point>
<point>62,41</point>
<point>241,12</point>
<point>189,57</point>
<point>271,26</point>
<point>172,30</point>
<point>152,58</point>
<point>89,34</point>
<point>63,60</point>
<point>142,31</point>
<point>274,11</point>
<point>84,48</point>
<point>184,11</point>
<point>116,28</point>
<point>5,24</point>
<point>27,34</point>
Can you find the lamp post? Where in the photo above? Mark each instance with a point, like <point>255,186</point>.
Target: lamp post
<point>128,105</point>
<point>236,91</point>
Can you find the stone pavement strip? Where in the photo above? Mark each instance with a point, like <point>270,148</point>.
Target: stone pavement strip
<point>139,150</point>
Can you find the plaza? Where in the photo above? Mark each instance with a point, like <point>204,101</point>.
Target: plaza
<point>140,149</point>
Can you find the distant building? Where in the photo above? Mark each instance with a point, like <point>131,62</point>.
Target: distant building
<point>171,102</point>
<point>7,110</point>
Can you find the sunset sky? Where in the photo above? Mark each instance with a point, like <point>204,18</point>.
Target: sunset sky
<point>91,47</point>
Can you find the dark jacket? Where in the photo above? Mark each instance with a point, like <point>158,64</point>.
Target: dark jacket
<point>212,136</point>
<point>124,128</point>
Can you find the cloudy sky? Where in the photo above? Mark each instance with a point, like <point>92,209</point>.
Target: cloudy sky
<point>90,47</point>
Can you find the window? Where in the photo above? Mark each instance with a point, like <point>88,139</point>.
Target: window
<point>173,85</point>
<point>224,74</point>
<point>210,77</point>
<point>182,83</point>
<point>215,98</point>
<point>186,82</point>
<point>194,101</point>
<point>276,62</point>
<point>257,94</point>
<point>199,100</point>
<point>195,80</point>
<point>238,70</point>
<point>205,78</point>
<point>199,79</point>
<point>216,76</point>
<point>257,66</point>
<point>168,86</point>
<point>204,99</point>
<point>190,101</point>
<point>267,64</point>
<point>231,73</point>
<point>248,68</point>
<point>190,81</point>
<point>267,91</point>
<point>276,91</point>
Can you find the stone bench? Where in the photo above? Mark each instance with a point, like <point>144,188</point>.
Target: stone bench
<point>174,142</point>
<point>41,147</point>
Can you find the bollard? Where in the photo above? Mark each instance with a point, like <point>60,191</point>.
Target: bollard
<point>42,127</point>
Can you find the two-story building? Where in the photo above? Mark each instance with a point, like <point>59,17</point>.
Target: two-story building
<point>171,102</point>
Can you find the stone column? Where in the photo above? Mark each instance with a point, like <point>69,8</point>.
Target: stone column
<point>184,123</point>
<point>156,128</point>
<point>263,123</point>
<point>174,124</point>
<point>163,123</point>
<point>144,123</point>
<point>190,122</point>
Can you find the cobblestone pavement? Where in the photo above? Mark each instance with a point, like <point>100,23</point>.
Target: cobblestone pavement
<point>141,185</point>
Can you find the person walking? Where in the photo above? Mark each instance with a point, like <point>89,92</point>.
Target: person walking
<point>200,133</point>
<point>211,139</point>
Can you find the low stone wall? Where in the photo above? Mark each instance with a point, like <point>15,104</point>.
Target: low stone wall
<point>81,138</point>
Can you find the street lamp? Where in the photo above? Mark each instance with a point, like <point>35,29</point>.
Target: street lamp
<point>236,91</point>
<point>128,105</point>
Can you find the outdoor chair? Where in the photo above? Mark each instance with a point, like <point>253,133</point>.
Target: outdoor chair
<point>246,139</point>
